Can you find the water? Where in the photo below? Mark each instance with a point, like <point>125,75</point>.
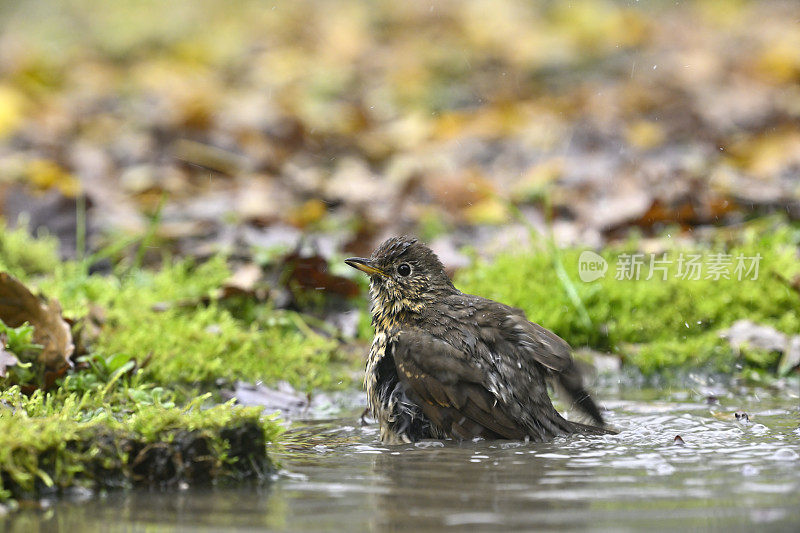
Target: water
<point>726,475</point>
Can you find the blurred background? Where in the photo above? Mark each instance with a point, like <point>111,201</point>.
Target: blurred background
<point>242,124</point>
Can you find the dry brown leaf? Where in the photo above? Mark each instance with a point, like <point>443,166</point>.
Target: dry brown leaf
<point>18,305</point>
<point>311,273</point>
<point>458,191</point>
<point>661,213</point>
<point>243,281</point>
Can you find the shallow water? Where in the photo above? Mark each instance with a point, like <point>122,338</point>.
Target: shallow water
<point>727,474</point>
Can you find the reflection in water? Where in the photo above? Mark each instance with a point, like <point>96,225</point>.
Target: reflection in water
<point>728,474</point>
<point>211,509</point>
<point>453,484</point>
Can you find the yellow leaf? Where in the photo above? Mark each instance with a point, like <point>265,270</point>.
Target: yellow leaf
<point>11,104</point>
<point>766,155</point>
<point>489,211</point>
<point>308,213</point>
<point>534,183</point>
<point>645,134</point>
<point>780,60</point>
<point>46,174</point>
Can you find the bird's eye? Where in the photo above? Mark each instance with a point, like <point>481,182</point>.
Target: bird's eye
<point>404,269</point>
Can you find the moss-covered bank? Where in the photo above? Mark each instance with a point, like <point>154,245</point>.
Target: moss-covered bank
<point>134,408</point>
<point>52,442</point>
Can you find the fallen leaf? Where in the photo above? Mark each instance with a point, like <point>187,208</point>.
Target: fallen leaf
<point>211,157</point>
<point>489,211</point>
<point>645,134</point>
<point>533,185</point>
<point>18,305</point>
<point>46,175</point>
<point>243,281</point>
<point>780,61</point>
<point>311,273</point>
<point>261,200</point>
<point>620,208</point>
<point>659,213</point>
<point>11,104</point>
<point>307,213</point>
<point>458,191</point>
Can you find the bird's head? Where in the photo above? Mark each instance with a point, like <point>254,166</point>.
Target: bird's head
<point>405,275</point>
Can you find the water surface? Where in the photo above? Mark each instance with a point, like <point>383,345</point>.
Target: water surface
<point>728,474</point>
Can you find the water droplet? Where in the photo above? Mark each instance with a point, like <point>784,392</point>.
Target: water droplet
<point>749,470</point>
<point>785,454</point>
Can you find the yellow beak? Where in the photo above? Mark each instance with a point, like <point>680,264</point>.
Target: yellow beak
<point>364,265</point>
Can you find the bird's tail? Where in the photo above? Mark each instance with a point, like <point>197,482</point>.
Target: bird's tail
<point>586,429</point>
<point>571,381</point>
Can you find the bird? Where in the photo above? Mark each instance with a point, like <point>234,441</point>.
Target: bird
<point>448,365</point>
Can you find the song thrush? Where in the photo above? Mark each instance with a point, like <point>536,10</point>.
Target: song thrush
<point>448,364</point>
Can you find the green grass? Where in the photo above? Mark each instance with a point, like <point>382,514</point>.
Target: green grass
<point>654,325</point>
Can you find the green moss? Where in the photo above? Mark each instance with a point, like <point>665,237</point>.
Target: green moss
<point>672,323</point>
<point>707,350</point>
<point>120,417</point>
<point>23,256</point>
<point>19,341</point>
<point>171,318</point>
<point>208,343</point>
<point>51,442</point>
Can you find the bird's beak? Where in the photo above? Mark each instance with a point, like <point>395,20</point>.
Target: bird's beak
<point>364,265</point>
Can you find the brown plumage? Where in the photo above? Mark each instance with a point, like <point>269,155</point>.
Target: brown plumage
<point>448,364</point>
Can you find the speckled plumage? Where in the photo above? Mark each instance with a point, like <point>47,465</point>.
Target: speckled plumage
<point>448,364</point>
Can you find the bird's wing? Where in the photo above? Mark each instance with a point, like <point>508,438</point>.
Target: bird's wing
<point>449,388</point>
<point>535,343</point>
